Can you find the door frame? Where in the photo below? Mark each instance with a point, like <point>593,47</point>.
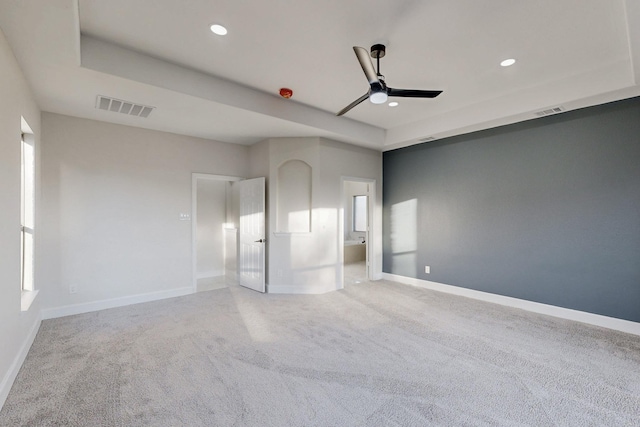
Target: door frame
<point>371,229</point>
<point>194,218</point>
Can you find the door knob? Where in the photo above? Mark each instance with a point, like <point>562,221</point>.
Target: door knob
<point>261,241</point>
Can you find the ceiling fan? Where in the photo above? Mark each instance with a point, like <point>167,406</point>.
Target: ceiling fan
<point>379,91</point>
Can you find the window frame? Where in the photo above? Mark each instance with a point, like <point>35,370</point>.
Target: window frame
<point>27,217</point>
<point>356,213</point>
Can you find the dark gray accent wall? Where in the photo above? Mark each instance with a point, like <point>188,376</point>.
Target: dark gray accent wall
<point>546,210</point>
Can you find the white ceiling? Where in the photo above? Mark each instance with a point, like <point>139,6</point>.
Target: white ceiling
<point>161,53</point>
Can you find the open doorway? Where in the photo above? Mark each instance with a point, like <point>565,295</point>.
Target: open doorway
<point>215,221</point>
<point>357,205</point>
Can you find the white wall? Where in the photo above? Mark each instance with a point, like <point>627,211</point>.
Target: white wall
<point>112,199</point>
<point>312,262</point>
<point>17,329</point>
<point>108,205</point>
<point>212,212</point>
<point>259,159</point>
<point>233,204</point>
<point>348,161</point>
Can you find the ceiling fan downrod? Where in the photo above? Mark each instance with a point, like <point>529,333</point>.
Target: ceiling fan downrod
<point>378,51</point>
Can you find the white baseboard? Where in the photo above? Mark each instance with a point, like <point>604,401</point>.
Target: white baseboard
<point>12,373</point>
<point>69,310</point>
<point>209,274</point>
<point>536,307</point>
<point>300,290</point>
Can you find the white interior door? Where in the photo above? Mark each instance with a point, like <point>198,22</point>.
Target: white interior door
<point>252,234</point>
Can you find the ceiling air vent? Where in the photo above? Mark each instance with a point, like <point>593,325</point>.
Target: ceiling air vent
<point>124,107</point>
<point>550,111</point>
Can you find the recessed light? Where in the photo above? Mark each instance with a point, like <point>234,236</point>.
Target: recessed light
<point>218,29</point>
<point>393,104</point>
<point>508,62</point>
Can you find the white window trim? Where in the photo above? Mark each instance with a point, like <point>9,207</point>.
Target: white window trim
<point>27,297</point>
<point>353,214</point>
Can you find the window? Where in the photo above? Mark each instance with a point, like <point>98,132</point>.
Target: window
<point>27,211</point>
<point>27,215</point>
<point>359,213</point>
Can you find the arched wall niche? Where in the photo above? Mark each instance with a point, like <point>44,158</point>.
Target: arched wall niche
<point>293,189</point>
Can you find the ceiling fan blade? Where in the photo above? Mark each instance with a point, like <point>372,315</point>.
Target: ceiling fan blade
<point>366,64</point>
<point>413,93</point>
<point>353,104</point>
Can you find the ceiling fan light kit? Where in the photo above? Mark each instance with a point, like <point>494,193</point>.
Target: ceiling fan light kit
<point>379,92</point>
<point>378,97</point>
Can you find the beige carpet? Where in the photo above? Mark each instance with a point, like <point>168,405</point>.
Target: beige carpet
<point>375,354</point>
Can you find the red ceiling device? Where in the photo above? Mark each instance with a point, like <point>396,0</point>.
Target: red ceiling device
<point>286,92</point>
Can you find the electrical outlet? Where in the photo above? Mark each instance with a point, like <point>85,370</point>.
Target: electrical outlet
<point>279,272</point>
<point>73,289</point>
<point>427,269</point>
